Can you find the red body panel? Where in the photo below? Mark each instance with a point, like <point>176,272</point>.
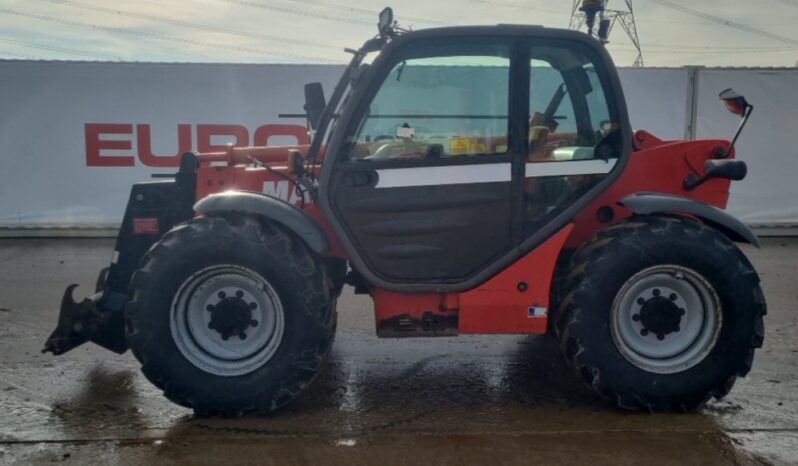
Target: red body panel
<point>514,301</point>
<point>517,299</point>
<point>656,166</point>
<point>393,310</point>
<point>219,178</point>
<point>499,305</point>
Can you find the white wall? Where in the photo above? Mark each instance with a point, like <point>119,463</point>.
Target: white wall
<point>45,178</point>
<point>657,100</point>
<point>769,195</point>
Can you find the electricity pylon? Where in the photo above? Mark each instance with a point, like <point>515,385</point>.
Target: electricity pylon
<point>585,13</point>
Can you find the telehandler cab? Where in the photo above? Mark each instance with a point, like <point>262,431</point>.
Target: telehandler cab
<point>470,180</point>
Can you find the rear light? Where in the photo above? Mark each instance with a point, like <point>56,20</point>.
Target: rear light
<point>146,226</point>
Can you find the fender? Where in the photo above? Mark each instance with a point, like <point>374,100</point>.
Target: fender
<point>270,207</point>
<point>651,203</point>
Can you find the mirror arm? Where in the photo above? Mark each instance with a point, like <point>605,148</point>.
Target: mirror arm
<point>748,110</point>
<point>332,105</point>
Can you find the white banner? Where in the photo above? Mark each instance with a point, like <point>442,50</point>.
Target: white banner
<point>74,136</point>
<point>769,193</point>
<point>657,100</point>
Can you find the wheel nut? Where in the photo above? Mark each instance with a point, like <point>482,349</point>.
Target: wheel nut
<point>636,317</point>
<point>253,305</point>
<point>656,292</point>
<point>242,336</point>
<point>644,332</point>
<point>239,294</point>
<point>209,307</point>
<point>253,323</point>
<point>221,295</point>
<point>641,301</point>
<point>225,337</point>
<point>660,337</point>
<point>682,311</point>
<point>673,297</point>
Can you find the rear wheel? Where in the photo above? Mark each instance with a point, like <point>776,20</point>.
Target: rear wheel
<point>230,316</point>
<point>661,313</point>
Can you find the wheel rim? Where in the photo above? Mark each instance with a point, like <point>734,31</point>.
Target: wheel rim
<point>227,320</point>
<point>666,319</point>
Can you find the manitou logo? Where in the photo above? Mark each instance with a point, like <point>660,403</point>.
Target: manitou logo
<point>107,143</point>
<point>283,190</point>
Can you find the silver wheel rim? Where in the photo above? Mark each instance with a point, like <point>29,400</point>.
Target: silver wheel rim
<point>227,320</point>
<point>666,319</point>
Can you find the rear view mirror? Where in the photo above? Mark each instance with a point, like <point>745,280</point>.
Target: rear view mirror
<point>296,162</point>
<point>385,22</point>
<point>314,103</point>
<point>735,102</point>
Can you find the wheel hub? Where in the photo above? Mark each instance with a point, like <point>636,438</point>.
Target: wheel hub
<point>232,315</point>
<point>666,318</point>
<point>227,320</point>
<point>659,315</point>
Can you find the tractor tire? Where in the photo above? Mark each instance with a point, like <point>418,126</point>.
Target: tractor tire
<point>230,316</point>
<point>661,313</point>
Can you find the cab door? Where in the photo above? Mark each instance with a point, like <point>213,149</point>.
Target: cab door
<point>424,186</point>
<point>464,149</point>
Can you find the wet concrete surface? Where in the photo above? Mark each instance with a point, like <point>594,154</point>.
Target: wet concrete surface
<point>462,400</point>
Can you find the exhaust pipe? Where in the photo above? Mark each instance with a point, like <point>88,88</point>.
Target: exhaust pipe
<point>79,322</point>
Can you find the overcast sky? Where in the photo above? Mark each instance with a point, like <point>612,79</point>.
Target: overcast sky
<point>672,32</point>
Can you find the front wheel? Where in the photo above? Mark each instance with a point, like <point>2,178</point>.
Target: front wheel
<point>230,316</point>
<point>661,313</point>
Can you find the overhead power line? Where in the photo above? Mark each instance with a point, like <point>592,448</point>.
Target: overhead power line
<point>179,40</point>
<point>791,3</point>
<point>369,12</point>
<point>190,25</point>
<point>19,55</point>
<point>713,47</point>
<point>630,48</point>
<point>726,22</point>
<point>519,6</point>
<point>293,11</point>
<point>53,48</point>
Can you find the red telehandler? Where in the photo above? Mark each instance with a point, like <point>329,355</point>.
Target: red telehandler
<point>470,180</point>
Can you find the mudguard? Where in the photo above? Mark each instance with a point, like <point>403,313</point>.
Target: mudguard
<point>270,207</point>
<point>650,203</point>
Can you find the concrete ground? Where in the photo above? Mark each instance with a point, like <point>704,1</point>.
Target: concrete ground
<point>463,400</point>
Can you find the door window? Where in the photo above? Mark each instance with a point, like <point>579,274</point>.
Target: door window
<point>438,102</point>
<point>574,132</point>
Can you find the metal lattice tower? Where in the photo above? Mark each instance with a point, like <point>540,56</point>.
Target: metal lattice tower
<point>600,20</point>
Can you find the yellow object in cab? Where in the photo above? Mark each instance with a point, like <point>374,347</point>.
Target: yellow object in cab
<point>459,145</point>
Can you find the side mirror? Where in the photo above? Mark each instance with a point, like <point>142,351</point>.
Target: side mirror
<point>314,103</point>
<point>296,162</point>
<point>735,102</point>
<point>385,22</point>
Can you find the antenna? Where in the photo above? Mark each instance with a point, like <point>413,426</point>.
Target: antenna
<point>587,13</point>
